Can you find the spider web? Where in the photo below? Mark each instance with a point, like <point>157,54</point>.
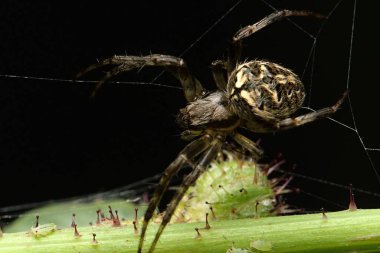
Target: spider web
<point>129,191</point>
<point>354,128</point>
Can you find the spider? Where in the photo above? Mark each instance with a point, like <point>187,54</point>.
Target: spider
<point>256,95</point>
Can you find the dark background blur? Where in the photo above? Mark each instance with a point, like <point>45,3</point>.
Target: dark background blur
<point>55,142</point>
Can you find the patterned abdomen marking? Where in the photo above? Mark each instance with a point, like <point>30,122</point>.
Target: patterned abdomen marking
<point>266,86</point>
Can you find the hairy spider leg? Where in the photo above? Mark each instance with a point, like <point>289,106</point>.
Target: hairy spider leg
<point>218,68</point>
<point>191,151</point>
<point>312,116</point>
<point>189,180</point>
<point>249,145</point>
<point>292,122</point>
<point>236,46</point>
<point>177,66</point>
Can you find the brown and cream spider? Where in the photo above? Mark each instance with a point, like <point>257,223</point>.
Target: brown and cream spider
<point>256,95</point>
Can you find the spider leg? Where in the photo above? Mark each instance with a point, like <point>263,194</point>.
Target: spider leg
<point>273,125</point>
<point>189,180</point>
<point>192,150</point>
<point>177,66</point>
<point>109,74</point>
<point>310,117</point>
<point>218,69</point>
<point>236,46</point>
<point>248,145</point>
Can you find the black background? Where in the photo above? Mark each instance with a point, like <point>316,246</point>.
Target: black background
<point>55,142</point>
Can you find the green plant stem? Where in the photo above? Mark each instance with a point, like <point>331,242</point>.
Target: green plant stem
<point>345,231</point>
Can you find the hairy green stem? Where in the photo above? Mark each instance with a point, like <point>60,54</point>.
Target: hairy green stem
<point>344,231</point>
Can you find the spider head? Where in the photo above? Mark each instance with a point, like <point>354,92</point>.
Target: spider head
<point>264,89</point>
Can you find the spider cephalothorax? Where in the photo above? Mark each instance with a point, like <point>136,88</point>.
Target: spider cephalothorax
<point>211,111</point>
<point>256,95</point>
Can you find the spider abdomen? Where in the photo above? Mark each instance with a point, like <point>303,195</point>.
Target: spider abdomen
<point>265,87</point>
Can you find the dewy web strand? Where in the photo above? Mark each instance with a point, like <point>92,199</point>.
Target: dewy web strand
<point>311,57</point>
<point>88,81</point>
<point>366,149</point>
<point>312,51</point>
<point>233,7</point>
